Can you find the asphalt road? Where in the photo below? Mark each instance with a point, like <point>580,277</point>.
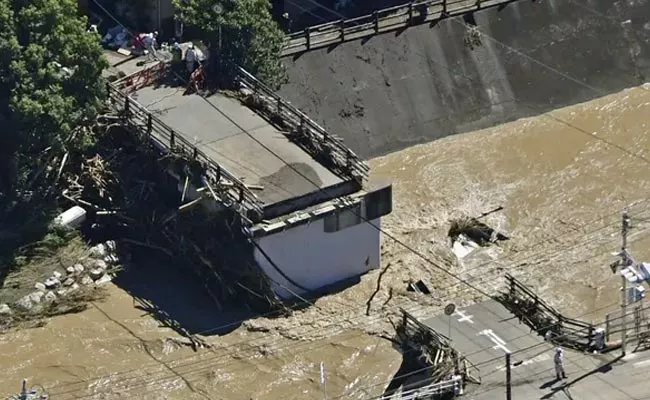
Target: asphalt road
<point>486,331</point>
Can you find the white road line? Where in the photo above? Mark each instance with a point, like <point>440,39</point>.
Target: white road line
<point>500,343</point>
<point>641,364</point>
<point>539,358</point>
<point>464,317</point>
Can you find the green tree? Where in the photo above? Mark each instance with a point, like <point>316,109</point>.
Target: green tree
<point>250,37</point>
<point>50,91</point>
<point>50,85</point>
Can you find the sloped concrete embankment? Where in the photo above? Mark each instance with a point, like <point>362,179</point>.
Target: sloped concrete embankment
<point>402,88</point>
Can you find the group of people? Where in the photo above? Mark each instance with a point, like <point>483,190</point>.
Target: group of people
<point>193,56</point>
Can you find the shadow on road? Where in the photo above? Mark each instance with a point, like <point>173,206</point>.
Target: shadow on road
<point>603,369</point>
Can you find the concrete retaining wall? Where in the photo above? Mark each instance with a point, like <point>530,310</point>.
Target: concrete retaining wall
<point>404,88</point>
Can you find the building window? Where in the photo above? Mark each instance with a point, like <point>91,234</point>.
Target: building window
<point>342,219</point>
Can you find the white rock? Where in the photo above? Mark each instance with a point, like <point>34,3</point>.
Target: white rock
<point>61,292</point>
<point>49,297</point>
<point>52,282</point>
<point>74,287</point>
<point>5,309</point>
<point>111,245</point>
<point>98,251</point>
<point>68,282</point>
<point>36,296</point>
<point>24,304</point>
<point>104,279</point>
<point>70,270</point>
<point>57,274</point>
<point>86,280</point>
<point>101,264</point>
<point>78,268</point>
<point>96,273</point>
<point>39,286</point>
<point>111,259</point>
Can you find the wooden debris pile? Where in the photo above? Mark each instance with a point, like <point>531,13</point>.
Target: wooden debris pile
<point>439,361</point>
<point>474,230</point>
<point>130,191</point>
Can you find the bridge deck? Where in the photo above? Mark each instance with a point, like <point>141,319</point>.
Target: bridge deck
<point>240,153</point>
<point>484,332</point>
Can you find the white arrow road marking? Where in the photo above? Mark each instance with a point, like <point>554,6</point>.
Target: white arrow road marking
<point>541,357</point>
<point>464,317</point>
<point>500,343</point>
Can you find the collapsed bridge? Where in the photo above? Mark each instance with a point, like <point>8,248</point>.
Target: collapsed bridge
<point>287,198</point>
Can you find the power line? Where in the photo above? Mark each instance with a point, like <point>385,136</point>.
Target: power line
<point>312,182</point>
<point>208,367</point>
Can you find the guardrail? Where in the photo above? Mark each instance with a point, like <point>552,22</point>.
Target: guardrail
<point>453,385</point>
<point>229,190</point>
<point>637,325</point>
<point>142,78</point>
<point>311,137</point>
<point>380,21</point>
<point>544,319</point>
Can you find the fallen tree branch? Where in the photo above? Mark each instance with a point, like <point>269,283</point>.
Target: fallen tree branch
<point>368,303</point>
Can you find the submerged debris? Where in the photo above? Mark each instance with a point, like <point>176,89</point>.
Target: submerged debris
<point>475,231</point>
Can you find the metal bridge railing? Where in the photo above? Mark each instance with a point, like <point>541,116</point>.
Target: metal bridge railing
<point>311,137</point>
<point>229,190</point>
<point>385,20</point>
<point>453,385</point>
<point>544,319</point>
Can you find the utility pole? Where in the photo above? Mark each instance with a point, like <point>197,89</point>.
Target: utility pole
<point>625,260</point>
<point>508,378</point>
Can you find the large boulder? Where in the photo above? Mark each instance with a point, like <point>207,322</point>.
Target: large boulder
<point>96,273</point>
<point>39,286</point>
<point>79,268</point>
<point>100,264</point>
<point>5,310</point>
<point>36,296</point>
<point>49,298</point>
<point>106,278</point>
<point>52,282</point>
<point>98,251</point>
<point>24,304</point>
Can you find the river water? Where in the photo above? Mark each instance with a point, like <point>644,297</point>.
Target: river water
<point>562,179</point>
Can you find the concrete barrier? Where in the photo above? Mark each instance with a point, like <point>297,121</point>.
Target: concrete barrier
<point>393,90</point>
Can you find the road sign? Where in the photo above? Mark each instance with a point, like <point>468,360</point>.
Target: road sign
<point>450,308</point>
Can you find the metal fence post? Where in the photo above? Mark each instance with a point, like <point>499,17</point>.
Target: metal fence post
<point>375,16</point>
<point>508,378</point>
<point>149,124</point>
<point>607,328</point>
<point>410,21</point>
<point>342,29</point>
<point>172,139</point>
<point>308,37</point>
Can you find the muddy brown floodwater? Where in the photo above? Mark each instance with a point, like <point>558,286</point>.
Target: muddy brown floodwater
<point>562,179</point>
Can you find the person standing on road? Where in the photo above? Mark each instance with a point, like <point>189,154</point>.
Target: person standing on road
<point>559,364</point>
